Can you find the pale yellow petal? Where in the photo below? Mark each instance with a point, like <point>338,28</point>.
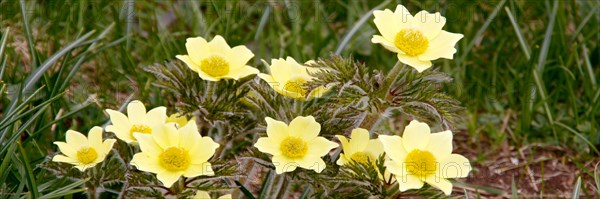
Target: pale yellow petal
<point>242,72</point>
<point>395,168</point>
<point>280,71</point>
<point>416,63</point>
<point>220,46</point>
<point>283,164</point>
<point>390,23</point>
<point>204,150</point>
<point>65,159</point>
<point>389,45</point>
<point>440,144</point>
<point>188,61</point>
<point>147,143</point>
<point>202,195</point>
<point>320,146</point>
<point>342,160</point>
<point>207,77</point>
<point>442,46</point>
<point>375,148</point>
<point>189,136</point>
<point>276,130</point>
<point>359,139</point>
<point>107,145</point>
<point>296,69</point>
<point>204,169</point>
<point>304,127</point>
<point>68,150</point>
<point>76,139</point>
<point>318,92</point>
<point>393,147</point>
<point>166,135</point>
<point>167,178</point>
<point>314,163</point>
<point>240,56</point>
<point>95,138</point>
<point>83,167</point>
<point>267,145</point>
<point>345,144</point>
<point>440,183</point>
<point>145,161</point>
<point>407,182</point>
<point>156,116</point>
<point>430,24</point>
<point>197,49</point>
<point>228,196</point>
<point>118,119</point>
<point>136,112</point>
<point>416,136</point>
<point>454,166</point>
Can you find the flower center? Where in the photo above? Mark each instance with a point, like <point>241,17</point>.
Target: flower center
<point>362,157</point>
<point>86,155</point>
<point>174,159</point>
<point>420,163</point>
<point>293,147</point>
<point>140,128</point>
<point>411,41</point>
<point>215,66</point>
<point>296,86</point>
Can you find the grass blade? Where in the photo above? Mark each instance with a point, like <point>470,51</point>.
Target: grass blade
<point>519,33</point>
<point>357,26</point>
<point>577,188</point>
<point>28,34</point>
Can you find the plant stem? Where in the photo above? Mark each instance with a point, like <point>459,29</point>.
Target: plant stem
<point>373,118</point>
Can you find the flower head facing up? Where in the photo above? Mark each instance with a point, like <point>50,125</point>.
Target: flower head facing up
<point>289,78</point>
<point>136,121</point>
<point>296,145</point>
<point>215,60</point>
<point>84,152</point>
<point>171,153</point>
<point>416,39</point>
<point>421,156</point>
<point>205,195</point>
<point>179,120</point>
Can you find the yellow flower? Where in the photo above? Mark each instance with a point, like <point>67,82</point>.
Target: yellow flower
<point>296,145</point>
<point>359,148</point>
<point>288,78</point>
<point>170,153</point>
<point>215,60</point>
<point>418,39</point>
<point>421,156</point>
<point>205,195</point>
<point>180,120</point>
<point>137,120</point>
<point>84,152</point>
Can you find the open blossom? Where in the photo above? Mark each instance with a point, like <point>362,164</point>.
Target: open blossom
<point>84,152</point>
<point>296,145</point>
<point>215,60</point>
<point>416,39</point>
<point>179,120</point>
<point>420,156</point>
<point>288,78</point>
<point>171,153</point>
<point>360,149</point>
<point>136,121</point>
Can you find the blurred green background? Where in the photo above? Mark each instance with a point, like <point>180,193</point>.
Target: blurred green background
<point>526,71</point>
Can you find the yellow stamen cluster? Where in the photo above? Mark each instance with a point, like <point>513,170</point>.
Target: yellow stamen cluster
<point>411,41</point>
<point>87,155</point>
<point>215,66</point>
<point>140,128</point>
<point>421,163</point>
<point>293,147</point>
<point>175,159</point>
<point>362,157</point>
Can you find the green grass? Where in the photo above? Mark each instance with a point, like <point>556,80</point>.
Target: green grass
<point>62,63</point>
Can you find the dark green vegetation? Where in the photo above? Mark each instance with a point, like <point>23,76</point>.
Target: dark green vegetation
<point>526,71</point>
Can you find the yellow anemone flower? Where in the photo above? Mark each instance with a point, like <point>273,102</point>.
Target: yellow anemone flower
<point>180,120</point>
<point>215,60</point>
<point>288,78</point>
<point>359,148</point>
<point>421,156</point>
<point>171,153</point>
<point>418,39</point>
<point>205,195</point>
<point>136,121</point>
<point>84,152</point>
<point>296,145</point>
